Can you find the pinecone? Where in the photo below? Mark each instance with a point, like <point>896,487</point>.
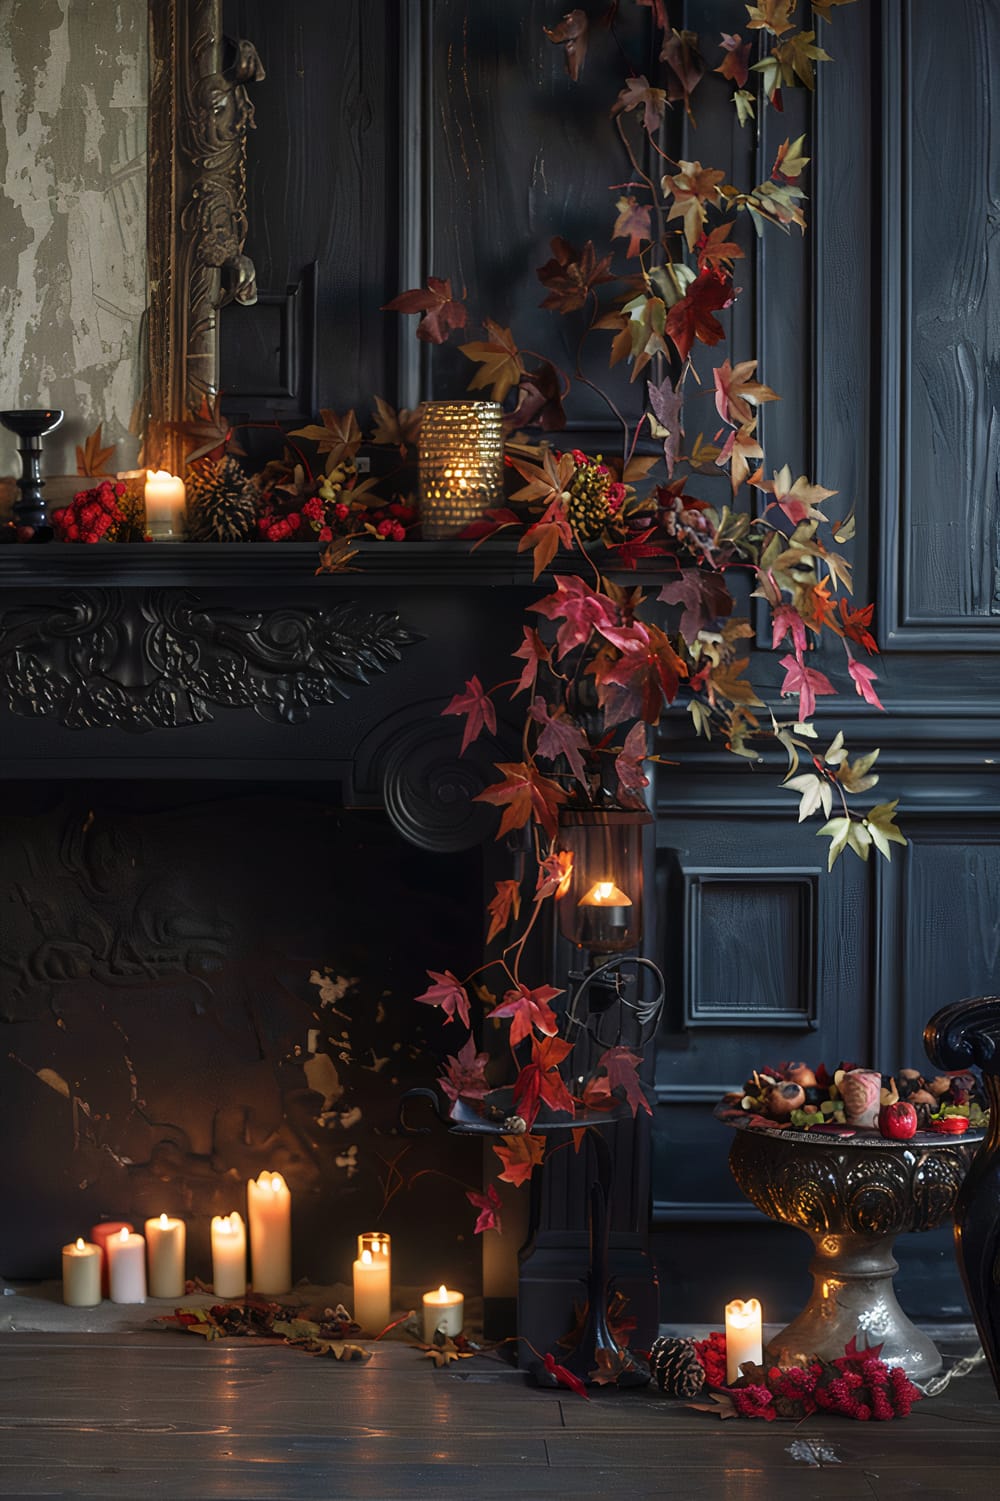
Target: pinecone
<point>222,502</point>
<point>676,1368</point>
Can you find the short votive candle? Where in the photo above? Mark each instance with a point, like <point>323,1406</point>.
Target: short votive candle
<point>444,1312</point>
<point>460,453</point>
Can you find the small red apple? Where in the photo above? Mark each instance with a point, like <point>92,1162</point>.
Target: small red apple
<point>897,1122</point>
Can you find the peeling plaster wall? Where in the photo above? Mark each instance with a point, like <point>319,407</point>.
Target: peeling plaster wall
<point>73,108</point>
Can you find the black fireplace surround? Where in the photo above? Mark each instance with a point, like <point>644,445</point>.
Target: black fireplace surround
<point>236,832</point>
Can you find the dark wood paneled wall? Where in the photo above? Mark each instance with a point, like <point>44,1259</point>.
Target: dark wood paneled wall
<point>401,137</point>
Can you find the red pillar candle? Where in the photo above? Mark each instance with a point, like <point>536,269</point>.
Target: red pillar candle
<point>100,1235</point>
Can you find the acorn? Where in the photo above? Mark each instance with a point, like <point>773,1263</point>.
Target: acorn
<point>784,1098</point>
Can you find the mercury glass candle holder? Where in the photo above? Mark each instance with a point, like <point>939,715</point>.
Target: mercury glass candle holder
<point>461,464</point>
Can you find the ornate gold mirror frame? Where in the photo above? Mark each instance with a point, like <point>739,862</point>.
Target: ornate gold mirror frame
<point>199,114</point>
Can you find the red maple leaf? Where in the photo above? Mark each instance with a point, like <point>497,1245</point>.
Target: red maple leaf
<point>548,533</point>
<point>786,621</point>
<point>621,1067</point>
<point>628,763</point>
<point>493,520</point>
<point>855,624</point>
<point>465,1076</point>
<point>580,609</point>
<point>507,899</point>
<point>564,1377</point>
<point>691,317</point>
<point>441,311</point>
<point>528,1009</point>
<point>527,795</point>
<point>571,275</point>
<point>646,673</point>
<point>489,1207</point>
<point>560,735</point>
<point>539,1081</point>
<point>704,597</point>
<point>477,705</point>
<point>806,682</point>
<point>554,875</point>
<point>539,402</point>
<point>632,224</point>
<point>533,652</point>
<point>520,1156</point>
<point>863,678</point>
<point>736,62</point>
<point>450,994</point>
<point>715,250</point>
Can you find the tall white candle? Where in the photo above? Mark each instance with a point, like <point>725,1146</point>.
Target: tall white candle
<point>372,1282</point>
<point>165,505</point>
<point>166,1240</point>
<point>229,1256</point>
<point>744,1340</point>
<point>81,1274</point>
<point>100,1235</point>
<point>269,1210</point>
<point>444,1310</point>
<point>127,1268</point>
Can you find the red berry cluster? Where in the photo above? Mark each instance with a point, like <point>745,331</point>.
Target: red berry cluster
<point>329,519</point>
<point>93,514</point>
<point>859,1385</point>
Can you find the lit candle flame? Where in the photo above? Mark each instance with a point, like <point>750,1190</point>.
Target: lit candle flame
<point>605,894</point>
<point>164,1222</point>
<point>123,1235</point>
<point>366,1257</point>
<point>442,1293</point>
<point>79,1244</point>
<point>275,1184</point>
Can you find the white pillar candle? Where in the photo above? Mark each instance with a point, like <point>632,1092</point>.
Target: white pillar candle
<point>444,1310</point>
<point>165,506</point>
<point>229,1256</point>
<point>743,1336</point>
<point>269,1210</point>
<point>372,1282</point>
<point>81,1274</point>
<point>127,1267</point>
<point>166,1239</point>
<point>100,1235</point>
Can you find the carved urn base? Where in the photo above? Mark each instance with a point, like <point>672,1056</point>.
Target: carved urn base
<point>853,1195</point>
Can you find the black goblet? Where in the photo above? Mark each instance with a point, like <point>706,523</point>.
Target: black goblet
<point>31,426</point>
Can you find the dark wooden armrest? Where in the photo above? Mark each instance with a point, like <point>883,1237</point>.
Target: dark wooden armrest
<point>962,1035</point>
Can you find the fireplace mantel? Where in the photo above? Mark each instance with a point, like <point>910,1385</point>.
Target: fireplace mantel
<point>263,565</point>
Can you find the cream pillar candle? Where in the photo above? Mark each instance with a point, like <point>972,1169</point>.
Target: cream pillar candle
<point>100,1235</point>
<point>744,1340</point>
<point>229,1256</point>
<point>81,1274</point>
<point>165,506</point>
<point>269,1211</point>
<point>444,1310</point>
<point>372,1282</point>
<point>127,1267</point>
<point>166,1240</point>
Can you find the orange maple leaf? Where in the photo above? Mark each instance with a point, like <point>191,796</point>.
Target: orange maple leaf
<point>528,795</point>
<point>91,459</point>
<point>520,1156</point>
<point>507,900</point>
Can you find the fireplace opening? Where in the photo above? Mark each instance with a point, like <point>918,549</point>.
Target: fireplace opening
<point>204,980</point>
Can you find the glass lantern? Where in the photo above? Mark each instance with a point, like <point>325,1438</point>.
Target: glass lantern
<point>461,464</point>
<point>601,908</point>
